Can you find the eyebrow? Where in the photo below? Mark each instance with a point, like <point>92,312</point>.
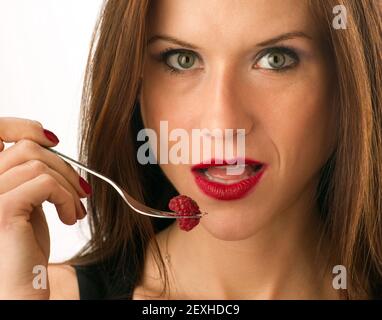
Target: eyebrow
<point>274,40</point>
<point>172,40</point>
<point>283,37</point>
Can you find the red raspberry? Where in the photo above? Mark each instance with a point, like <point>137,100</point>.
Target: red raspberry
<point>184,205</point>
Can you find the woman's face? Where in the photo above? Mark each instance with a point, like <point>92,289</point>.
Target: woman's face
<point>253,65</point>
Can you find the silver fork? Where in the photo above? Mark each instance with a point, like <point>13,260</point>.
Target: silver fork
<point>133,204</point>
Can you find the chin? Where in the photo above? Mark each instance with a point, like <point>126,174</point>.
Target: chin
<point>230,226</point>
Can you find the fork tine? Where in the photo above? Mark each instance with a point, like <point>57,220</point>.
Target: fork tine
<point>141,208</point>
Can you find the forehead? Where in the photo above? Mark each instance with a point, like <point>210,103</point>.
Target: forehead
<point>228,21</point>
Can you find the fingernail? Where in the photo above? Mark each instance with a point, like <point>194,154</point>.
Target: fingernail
<point>85,186</point>
<point>51,136</point>
<point>83,209</point>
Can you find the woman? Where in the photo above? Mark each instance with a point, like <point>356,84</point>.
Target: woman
<point>308,95</point>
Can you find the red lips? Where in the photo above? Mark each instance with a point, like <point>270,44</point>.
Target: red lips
<point>219,184</point>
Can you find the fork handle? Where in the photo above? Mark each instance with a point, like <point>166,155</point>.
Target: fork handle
<point>78,164</point>
<point>95,173</point>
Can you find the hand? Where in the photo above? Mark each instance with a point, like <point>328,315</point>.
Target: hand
<point>29,176</point>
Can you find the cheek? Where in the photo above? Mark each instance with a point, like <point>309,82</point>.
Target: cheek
<point>160,102</point>
<point>164,110</point>
<point>300,125</point>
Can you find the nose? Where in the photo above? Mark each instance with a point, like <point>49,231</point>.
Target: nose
<point>224,103</point>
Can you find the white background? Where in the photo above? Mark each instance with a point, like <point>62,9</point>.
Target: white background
<point>43,51</point>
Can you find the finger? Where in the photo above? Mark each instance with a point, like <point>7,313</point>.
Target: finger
<point>20,174</point>
<point>26,150</point>
<point>16,129</point>
<point>21,201</point>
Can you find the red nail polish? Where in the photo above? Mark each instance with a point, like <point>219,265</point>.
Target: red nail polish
<point>51,136</point>
<point>85,186</point>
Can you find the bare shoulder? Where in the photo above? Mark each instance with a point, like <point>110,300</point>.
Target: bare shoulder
<point>63,282</point>
<point>142,293</point>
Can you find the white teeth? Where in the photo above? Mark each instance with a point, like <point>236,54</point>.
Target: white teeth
<point>236,170</point>
<point>233,170</point>
<point>231,166</point>
<point>223,181</point>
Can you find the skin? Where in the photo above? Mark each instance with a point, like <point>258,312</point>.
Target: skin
<point>267,239</point>
<point>29,176</point>
<point>261,246</point>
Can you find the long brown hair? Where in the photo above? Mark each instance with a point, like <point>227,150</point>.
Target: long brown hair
<point>349,193</point>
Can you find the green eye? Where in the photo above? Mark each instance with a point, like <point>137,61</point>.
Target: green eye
<point>180,60</point>
<point>186,60</point>
<point>277,59</point>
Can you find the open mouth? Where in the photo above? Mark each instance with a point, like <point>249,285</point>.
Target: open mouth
<point>228,182</point>
<point>230,174</point>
